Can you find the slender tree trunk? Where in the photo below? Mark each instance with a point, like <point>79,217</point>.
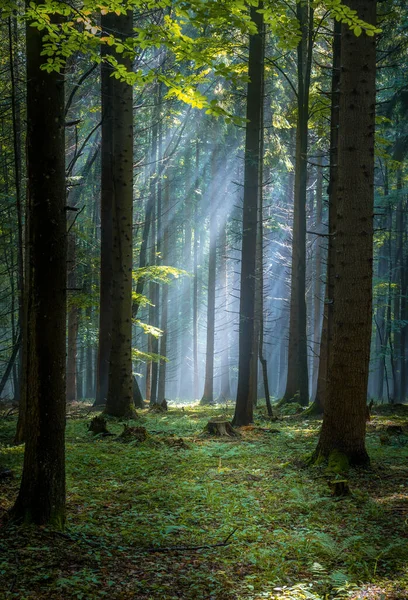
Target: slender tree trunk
<point>107,193</point>
<point>344,420</point>
<point>73,322</point>
<point>164,315</point>
<point>208,395</point>
<point>326,331</point>
<point>262,358</point>
<point>317,287</point>
<point>41,499</point>
<point>223,278</point>
<point>195,267</point>
<point>17,145</point>
<point>297,378</point>
<point>120,390</point>
<point>244,406</point>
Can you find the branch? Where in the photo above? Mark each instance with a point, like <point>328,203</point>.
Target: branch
<point>226,542</point>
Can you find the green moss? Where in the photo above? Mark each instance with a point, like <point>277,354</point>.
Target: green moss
<point>338,462</point>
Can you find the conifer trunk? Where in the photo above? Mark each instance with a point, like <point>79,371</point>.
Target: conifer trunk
<point>41,499</point>
<point>208,394</point>
<point>344,420</point>
<point>244,406</point>
<point>326,330</point>
<point>107,192</point>
<point>119,402</point>
<point>297,377</point>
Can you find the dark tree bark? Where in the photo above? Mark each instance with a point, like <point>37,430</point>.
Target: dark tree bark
<point>17,150</point>
<point>344,420</point>
<point>326,331</point>
<point>119,402</point>
<point>41,499</point>
<point>297,386</point>
<point>244,406</point>
<point>107,192</point>
<point>72,321</point>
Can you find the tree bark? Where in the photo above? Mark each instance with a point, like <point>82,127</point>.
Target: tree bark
<point>244,406</point>
<point>107,193</point>
<point>41,499</point>
<point>73,321</point>
<point>161,394</point>
<point>208,394</point>
<point>326,331</point>
<point>195,267</point>
<point>297,386</point>
<point>344,420</point>
<point>119,402</point>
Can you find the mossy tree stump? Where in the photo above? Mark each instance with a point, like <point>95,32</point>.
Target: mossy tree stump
<point>220,427</point>
<point>98,426</point>
<point>137,434</point>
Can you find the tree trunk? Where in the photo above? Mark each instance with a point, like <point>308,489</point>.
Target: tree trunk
<point>244,406</point>
<point>107,193</point>
<point>326,331</point>
<point>41,499</point>
<point>297,387</point>
<point>119,402</point>
<point>73,322</point>
<point>317,287</point>
<point>164,315</point>
<point>344,420</point>
<point>17,146</point>
<point>208,395</point>
<point>195,259</point>
<point>225,392</point>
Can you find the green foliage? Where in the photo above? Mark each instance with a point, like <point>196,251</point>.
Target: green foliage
<point>291,541</point>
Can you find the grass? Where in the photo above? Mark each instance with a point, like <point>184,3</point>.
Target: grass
<point>130,503</point>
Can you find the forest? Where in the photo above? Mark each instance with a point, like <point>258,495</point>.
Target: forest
<point>204,299</point>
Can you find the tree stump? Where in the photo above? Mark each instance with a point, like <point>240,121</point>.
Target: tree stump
<point>137,434</point>
<point>220,427</point>
<point>98,426</point>
<point>159,408</point>
<point>339,487</point>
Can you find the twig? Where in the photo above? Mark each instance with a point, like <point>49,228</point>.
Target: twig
<point>183,548</point>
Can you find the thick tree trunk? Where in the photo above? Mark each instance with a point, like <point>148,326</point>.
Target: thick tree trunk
<point>41,499</point>
<point>244,406</point>
<point>344,420</point>
<point>119,402</point>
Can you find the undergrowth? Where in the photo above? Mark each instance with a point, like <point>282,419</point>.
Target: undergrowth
<point>139,515</point>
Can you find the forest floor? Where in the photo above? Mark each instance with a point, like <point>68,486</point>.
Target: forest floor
<point>136,512</point>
